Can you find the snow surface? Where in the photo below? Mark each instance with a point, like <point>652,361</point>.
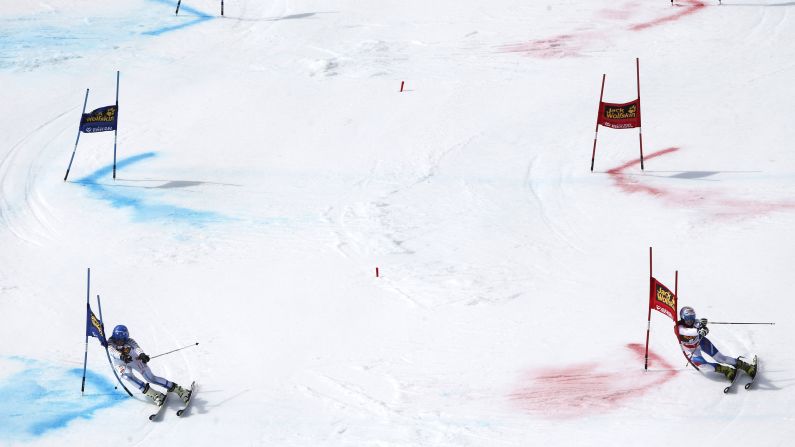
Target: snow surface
<point>268,164</point>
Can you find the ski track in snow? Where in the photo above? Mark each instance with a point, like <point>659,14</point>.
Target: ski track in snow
<point>539,203</point>
<point>26,216</point>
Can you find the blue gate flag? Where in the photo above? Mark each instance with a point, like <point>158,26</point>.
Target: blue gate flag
<point>103,119</point>
<point>94,327</point>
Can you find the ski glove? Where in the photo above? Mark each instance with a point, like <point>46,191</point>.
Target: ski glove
<point>143,357</point>
<point>703,331</point>
<point>126,358</point>
<point>703,321</point>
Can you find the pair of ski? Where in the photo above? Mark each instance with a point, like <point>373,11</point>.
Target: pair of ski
<point>748,385</point>
<point>181,411</point>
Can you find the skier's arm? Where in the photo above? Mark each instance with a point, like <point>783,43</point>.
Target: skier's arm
<point>701,327</point>
<point>135,350</point>
<point>121,353</point>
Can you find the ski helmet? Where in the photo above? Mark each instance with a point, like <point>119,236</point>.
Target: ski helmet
<point>120,333</point>
<point>687,314</point>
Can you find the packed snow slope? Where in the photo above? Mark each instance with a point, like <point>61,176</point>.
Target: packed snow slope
<point>267,164</point>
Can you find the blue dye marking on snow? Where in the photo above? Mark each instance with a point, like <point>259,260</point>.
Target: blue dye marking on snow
<point>44,397</point>
<point>140,200</point>
<point>200,18</point>
<point>39,40</point>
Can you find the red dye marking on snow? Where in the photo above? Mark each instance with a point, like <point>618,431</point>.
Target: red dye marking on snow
<point>627,10</point>
<point>691,7</point>
<point>627,183</point>
<point>584,389</point>
<point>563,45</point>
<point>735,208</point>
<point>615,14</point>
<point>573,44</point>
<point>718,204</point>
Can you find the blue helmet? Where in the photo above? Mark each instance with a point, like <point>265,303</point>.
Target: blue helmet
<point>687,314</point>
<point>120,333</point>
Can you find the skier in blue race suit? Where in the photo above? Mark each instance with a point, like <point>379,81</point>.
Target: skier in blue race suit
<point>693,339</point>
<point>129,357</point>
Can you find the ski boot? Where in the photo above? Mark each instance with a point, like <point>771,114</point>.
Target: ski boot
<point>727,371</point>
<point>747,367</point>
<point>155,395</point>
<point>181,392</point>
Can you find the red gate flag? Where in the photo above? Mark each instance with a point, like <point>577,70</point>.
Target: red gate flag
<point>620,116</point>
<point>662,299</point>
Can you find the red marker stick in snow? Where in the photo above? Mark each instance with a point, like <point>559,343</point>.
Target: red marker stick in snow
<point>376,272</point>
<point>401,85</point>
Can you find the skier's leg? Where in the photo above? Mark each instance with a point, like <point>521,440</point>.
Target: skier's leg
<point>713,352</point>
<point>703,364</point>
<point>155,395</point>
<point>697,359</point>
<point>128,375</point>
<point>721,367</point>
<point>706,366</point>
<point>150,376</point>
<point>736,362</point>
<point>183,393</point>
<point>749,368</point>
<point>127,371</point>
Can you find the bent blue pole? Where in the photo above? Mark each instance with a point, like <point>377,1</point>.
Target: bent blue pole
<point>116,130</point>
<point>102,324</point>
<point>78,138</point>
<point>85,355</point>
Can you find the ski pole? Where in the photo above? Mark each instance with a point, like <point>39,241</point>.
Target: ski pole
<point>724,322</point>
<point>169,352</point>
<point>110,362</point>
<point>690,359</point>
<point>88,311</point>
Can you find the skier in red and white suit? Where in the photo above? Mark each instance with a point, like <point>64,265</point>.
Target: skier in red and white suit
<point>693,339</point>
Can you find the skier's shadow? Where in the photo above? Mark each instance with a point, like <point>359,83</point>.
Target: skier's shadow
<point>202,406</point>
<point>761,383</point>
<point>693,175</point>
<point>174,405</point>
<point>169,184</point>
<point>303,15</point>
<point>197,405</point>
